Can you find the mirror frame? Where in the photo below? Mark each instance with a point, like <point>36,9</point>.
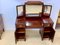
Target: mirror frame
<point>47,7</point>
<point>17,9</point>
<point>34,13</point>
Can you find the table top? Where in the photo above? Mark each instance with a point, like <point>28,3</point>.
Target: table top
<point>47,20</point>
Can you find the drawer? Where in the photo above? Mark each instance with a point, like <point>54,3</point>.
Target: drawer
<point>47,22</point>
<point>47,25</point>
<point>46,35</point>
<point>20,25</point>
<point>20,35</point>
<point>34,24</point>
<point>20,30</point>
<point>49,31</point>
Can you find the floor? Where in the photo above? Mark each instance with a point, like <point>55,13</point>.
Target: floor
<point>32,38</point>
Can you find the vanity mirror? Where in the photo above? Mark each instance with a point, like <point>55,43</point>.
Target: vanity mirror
<point>47,10</point>
<point>19,9</point>
<point>33,14</point>
<point>33,10</point>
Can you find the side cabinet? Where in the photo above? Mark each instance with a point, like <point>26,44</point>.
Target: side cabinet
<point>1,26</point>
<point>47,31</point>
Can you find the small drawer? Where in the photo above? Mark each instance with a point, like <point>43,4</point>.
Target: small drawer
<point>46,25</point>
<point>46,35</point>
<point>20,35</point>
<point>20,30</point>
<point>20,25</point>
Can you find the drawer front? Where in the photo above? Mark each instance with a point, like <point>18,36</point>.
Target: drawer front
<point>21,35</point>
<point>33,24</point>
<point>49,31</point>
<point>46,35</point>
<point>48,25</point>
<point>20,25</point>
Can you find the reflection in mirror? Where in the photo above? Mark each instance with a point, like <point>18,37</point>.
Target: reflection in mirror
<point>19,10</point>
<point>33,10</point>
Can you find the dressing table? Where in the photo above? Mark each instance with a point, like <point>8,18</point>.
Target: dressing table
<point>34,14</point>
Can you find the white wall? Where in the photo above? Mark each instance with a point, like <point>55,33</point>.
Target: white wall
<point>8,10</point>
<point>0,7</point>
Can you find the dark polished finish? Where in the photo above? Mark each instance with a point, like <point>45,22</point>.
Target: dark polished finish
<point>34,3</point>
<point>38,19</point>
<point>47,22</point>
<point>20,34</point>
<point>47,32</point>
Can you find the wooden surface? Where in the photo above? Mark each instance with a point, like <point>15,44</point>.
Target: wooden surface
<point>42,21</point>
<point>47,22</point>
<point>34,3</point>
<point>48,32</point>
<point>34,24</point>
